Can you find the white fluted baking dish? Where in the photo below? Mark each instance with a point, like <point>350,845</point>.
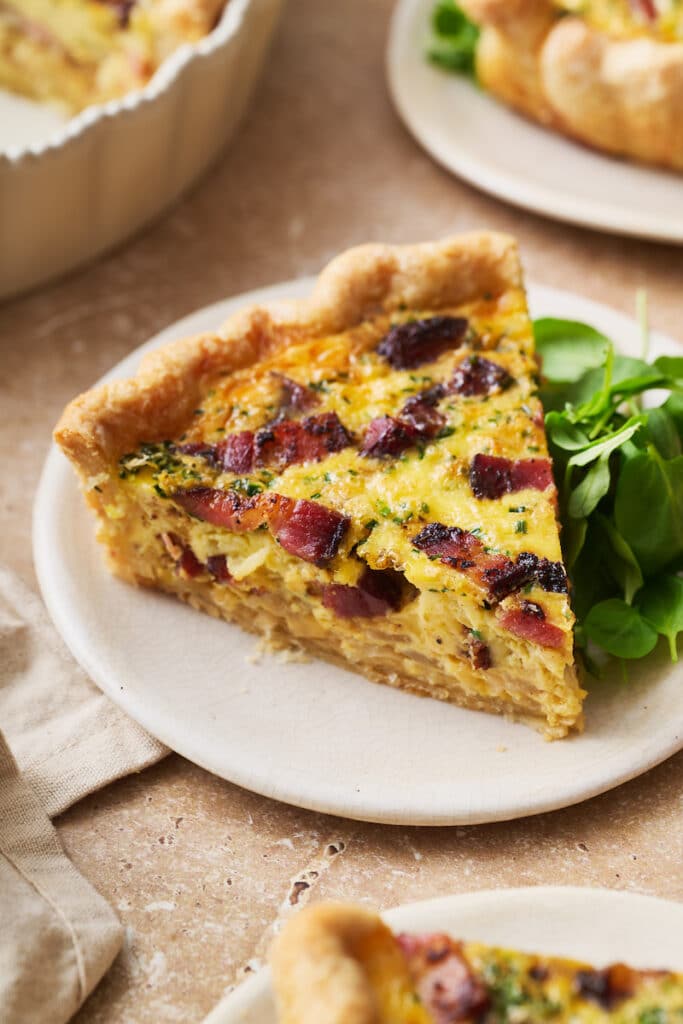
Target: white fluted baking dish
<point>86,185</point>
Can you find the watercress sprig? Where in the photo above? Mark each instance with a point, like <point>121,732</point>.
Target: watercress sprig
<point>455,38</point>
<point>618,463</point>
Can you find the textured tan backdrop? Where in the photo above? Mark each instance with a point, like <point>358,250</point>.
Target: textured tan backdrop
<point>198,869</point>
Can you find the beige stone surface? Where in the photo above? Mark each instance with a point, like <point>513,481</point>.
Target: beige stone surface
<point>198,869</point>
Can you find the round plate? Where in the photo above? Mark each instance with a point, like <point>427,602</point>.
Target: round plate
<point>598,926</point>
<point>310,733</point>
<point>487,144</point>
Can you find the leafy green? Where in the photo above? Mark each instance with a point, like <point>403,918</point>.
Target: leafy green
<point>568,348</point>
<point>648,509</point>
<point>661,604</point>
<point>619,472</point>
<point>594,486</point>
<point>620,629</point>
<point>456,39</point>
<point>663,432</point>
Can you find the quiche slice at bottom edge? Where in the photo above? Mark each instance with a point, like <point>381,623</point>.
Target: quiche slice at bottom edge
<point>337,963</point>
<point>363,474</point>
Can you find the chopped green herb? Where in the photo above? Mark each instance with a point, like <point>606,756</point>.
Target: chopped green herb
<point>520,526</point>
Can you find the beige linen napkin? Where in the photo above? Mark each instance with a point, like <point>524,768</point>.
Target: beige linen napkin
<point>57,934</point>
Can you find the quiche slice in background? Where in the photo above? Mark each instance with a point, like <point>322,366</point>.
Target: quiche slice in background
<point>363,474</point>
<point>608,73</point>
<point>336,963</point>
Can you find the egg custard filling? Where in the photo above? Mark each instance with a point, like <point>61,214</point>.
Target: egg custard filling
<point>379,494</point>
<point>337,963</point>
<point>630,18</point>
<point>79,52</point>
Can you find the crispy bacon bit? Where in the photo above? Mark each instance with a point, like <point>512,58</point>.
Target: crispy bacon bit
<point>283,443</point>
<point>122,9</point>
<point>295,395</point>
<point>304,528</point>
<point>608,987</point>
<point>415,342</point>
<point>647,8</point>
<point>376,593</point>
<point>529,622</point>
<point>551,576</point>
<point>218,567</point>
<point>492,477</point>
<point>294,441</point>
<point>478,376</point>
<point>420,412</point>
<point>205,451</point>
<point>449,543</point>
<point>478,652</point>
<point>236,453</point>
<point>462,550</point>
<point>184,557</point>
<point>445,982</point>
<point>388,435</point>
<point>307,529</point>
<point>418,420</point>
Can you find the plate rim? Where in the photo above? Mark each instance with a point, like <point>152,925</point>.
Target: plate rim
<point>290,793</point>
<point>242,997</point>
<point>548,204</point>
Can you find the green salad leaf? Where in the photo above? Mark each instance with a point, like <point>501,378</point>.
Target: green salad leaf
<point>455,39</point>
<point>618,464</point>
<point>620,629</point>
<point>661,604</point>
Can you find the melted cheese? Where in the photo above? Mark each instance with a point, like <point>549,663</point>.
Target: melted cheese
<point>627,18</point>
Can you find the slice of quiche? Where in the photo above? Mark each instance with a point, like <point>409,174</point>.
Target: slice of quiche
<point>363,474</point>
<point>336,963</point>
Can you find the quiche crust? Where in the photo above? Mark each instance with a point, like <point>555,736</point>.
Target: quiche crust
<point>303,601</point>
<point>619,93</point>
<point>338,963</point>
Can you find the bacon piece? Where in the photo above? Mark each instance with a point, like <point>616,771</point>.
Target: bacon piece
<point>420,412</point>
<point>307,529</point>
<point>444,980</point>
<point>293,441</point>
<point>122,9</point>
<point>610,986</point>
<point>283,443</point>
<point>376,593</point>
<point>498,574</point>
<point>478,376</point>
<point>492,477</point>
<point>529,622</point>
<point>218,567</point>
<point>295,395</point>
<point>419,419</point>
<point>236,453</point>
<point>184,557</point>
<point>304,528</point>
<point>647,8</point>
<point>388,435</point>
<point>449,543</point>
<point>415,342</point>
<point>205,451</point>
<point>478,653</point>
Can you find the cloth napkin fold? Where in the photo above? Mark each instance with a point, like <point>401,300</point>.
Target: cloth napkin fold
<point>57,934</point>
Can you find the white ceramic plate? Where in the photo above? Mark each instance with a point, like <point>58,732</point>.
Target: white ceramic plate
<point>496,150</point>
<point>313,734</point>
<point>599,926</point>
<point>71,189</point>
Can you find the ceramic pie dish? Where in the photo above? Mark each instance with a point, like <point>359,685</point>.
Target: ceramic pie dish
<point>70,190</point>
